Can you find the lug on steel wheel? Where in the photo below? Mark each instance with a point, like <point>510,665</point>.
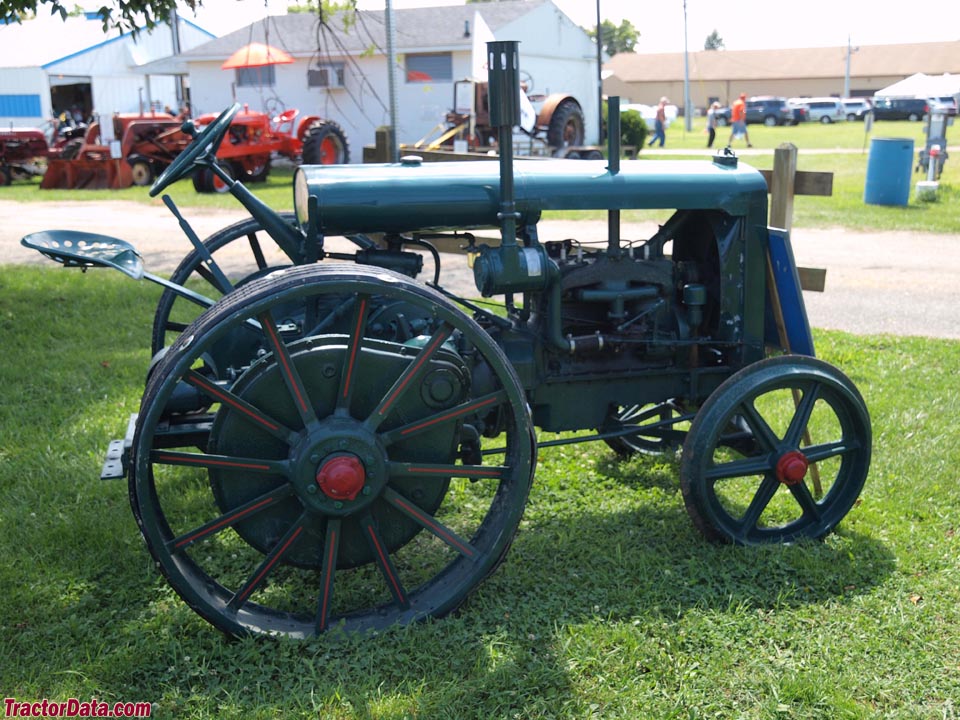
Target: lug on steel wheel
<point>779,452</point>
<point>331,474</point>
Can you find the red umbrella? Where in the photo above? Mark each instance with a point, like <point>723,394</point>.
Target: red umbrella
<point>256,55</point>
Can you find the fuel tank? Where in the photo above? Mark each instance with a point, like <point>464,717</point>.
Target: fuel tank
<point>410,195</point>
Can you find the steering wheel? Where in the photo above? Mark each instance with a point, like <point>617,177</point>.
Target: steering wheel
<point>203,145</point>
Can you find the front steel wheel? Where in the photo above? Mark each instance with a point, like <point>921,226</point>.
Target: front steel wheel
<point>307,455</point>
<point>778,453</point>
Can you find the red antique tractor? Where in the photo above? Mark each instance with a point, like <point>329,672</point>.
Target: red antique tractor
<point>150,144</point>
<point>20,149</point>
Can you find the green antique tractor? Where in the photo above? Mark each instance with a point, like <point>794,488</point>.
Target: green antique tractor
<point>332,444</point>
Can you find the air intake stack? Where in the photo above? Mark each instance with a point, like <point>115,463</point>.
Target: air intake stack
<point>508,268</point>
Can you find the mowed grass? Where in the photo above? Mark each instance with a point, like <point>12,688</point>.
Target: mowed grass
<point>842,149</point>
<point>609,604</point>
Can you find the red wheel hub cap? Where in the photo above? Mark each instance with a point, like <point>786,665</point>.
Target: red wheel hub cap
<point>792,467</point>
<point>342,477</point>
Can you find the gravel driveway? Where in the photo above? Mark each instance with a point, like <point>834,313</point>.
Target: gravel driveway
<point>901,283</point>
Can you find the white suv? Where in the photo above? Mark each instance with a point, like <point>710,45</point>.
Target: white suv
<point>856,108</point>
<point>825,109</point>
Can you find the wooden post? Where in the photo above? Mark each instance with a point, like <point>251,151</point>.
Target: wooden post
<point>384,151</point>
<point>781,216</point>
<point>782,186</point>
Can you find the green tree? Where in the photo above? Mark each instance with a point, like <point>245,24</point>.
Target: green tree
<point>129,15</point>
<point>125,15</point>
<point>713,41</point>
<point>617,38</point>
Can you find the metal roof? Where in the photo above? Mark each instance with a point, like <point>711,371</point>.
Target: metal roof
<point>359,31</point>
<point>790,63</point>
<point>46,40</point>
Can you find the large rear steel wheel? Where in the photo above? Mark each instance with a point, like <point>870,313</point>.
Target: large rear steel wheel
<point>778,453</point>
<point>339,481</point>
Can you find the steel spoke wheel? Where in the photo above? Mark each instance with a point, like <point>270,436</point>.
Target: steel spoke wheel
<point>660,435</point>
<point>779,452</point>
<point>328,473</point>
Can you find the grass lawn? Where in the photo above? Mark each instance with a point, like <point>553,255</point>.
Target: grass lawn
<point>609,605</point>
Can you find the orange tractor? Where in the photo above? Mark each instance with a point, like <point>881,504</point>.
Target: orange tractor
<point>150,145</point>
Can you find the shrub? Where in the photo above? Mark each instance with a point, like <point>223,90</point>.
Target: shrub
<point>633,128</point>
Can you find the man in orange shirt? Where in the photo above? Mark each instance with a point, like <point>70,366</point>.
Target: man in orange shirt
<point>738,120</point>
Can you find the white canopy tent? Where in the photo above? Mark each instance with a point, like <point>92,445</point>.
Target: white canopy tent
<point>923,85</point>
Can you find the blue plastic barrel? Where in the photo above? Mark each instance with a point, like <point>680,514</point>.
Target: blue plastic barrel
<point>888,171</point>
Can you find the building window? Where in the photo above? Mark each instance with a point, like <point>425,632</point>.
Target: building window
<point>257,76</point>
<point>326,76</point>
<point>434,67</point>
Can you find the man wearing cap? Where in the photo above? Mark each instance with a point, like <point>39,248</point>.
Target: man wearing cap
<point>738,120</point>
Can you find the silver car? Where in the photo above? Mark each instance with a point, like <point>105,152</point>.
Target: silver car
<point>825,110</point>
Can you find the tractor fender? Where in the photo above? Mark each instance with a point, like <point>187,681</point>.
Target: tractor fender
<point>550,106</point>
<point>304,124</point>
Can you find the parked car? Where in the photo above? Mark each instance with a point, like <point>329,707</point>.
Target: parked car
<point>723,116</point>
<point>769,110</point>
<point>825,110</point>
<point>800,110</point>
<point>946,104</point>
<point>912,109</point>
<point>856,108</point>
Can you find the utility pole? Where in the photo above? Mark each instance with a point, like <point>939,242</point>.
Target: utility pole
<point>175,42</point>
<point>599,77</point>
<point>391,79</point>
<point>846,75</point>
<point>687,109</point>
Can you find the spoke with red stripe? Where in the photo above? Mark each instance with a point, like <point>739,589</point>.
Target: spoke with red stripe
<point>484,404</point>
<point>408,378</point>
<point>268,564</point>
<point>424,519</point>
<point>248,411</point>
<point>228,462</point>
<point>291,377</point>
<point>328,568</point>
<point>226,520</point>
<point>443,470</point>
<point>349,375</point>
<point>382,556</point>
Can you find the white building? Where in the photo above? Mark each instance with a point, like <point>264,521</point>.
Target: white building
<point>340,72</point>
<point>49,65</point>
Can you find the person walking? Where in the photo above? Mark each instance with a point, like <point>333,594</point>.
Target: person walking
<point>712,123</point>
<point>738,120</point>
<point>660,123</point>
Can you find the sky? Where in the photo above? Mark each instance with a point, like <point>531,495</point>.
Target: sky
<point>742,24</point>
